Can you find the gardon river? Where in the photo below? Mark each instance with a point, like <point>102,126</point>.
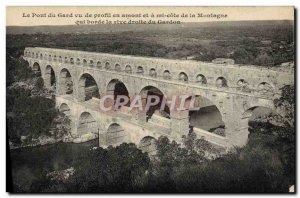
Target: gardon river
<point>31,164</point>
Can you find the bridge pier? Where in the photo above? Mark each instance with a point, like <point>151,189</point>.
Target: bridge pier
<point>237,135</point>
<point>61,85</point>
<point>179,123</point>
<point>47,81</point>
<point>80,96</point>
<point>103,140</point>
<point>142,115</point>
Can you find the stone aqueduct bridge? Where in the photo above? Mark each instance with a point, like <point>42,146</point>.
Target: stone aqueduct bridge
<point>235,90</point>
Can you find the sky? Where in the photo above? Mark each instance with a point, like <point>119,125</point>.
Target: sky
<point>40,15</point>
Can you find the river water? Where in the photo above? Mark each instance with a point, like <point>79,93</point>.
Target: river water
<point>31,164</point>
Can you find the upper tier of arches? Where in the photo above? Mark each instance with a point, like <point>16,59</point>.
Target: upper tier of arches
<point>247,81</point>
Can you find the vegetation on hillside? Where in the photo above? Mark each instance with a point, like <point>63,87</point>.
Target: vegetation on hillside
<point>267,45</point>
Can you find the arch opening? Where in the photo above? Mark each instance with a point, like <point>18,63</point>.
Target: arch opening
<point>87,124</point>
<point>78,61</point>
<point>117,88</point>
<point>128,69</point>
<point>148,145</point>
<point>65,109</point>
<point>183,77</point>
<point>91,64</point>
<point>201,79</point>
<point>84,61</point>
<point>65,82</point>
<point>243,85</point>
<point>156,110</point>
<point>117,67</point>
<point>98,64</point>
<point>153,73</point>
<point>50,80</point>
<point>107,65</point>
<point>221,82</point>
<point>206,117</point>
<point>167,75</point>
<point>140,70</point>
<point>115,135</point>
<point>260,120</point>
<point>88,88</point>
<point>36,69</point>
<point>265,88</point>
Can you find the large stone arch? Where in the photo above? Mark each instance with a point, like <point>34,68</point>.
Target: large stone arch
<point>87,87</point>
<point>117,88</point>
<point>115,134</point>
<point>36,69</point>
<point>66,84</point>
<point>155,110</point>
<point>50,78</point>
<point>87,126</point>
<point>206,116</point>
<point>65,109</point>
<point>148,144</point>
<point>258,113</point>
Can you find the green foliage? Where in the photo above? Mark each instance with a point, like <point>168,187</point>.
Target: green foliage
<point>264,59</point>
<point>16,69</point>
<point>26,115</point>
<point>286,102</point>
<point>120,169</point>
<point>31,116</point>
<point>39,83</point>
<point>267,45</point>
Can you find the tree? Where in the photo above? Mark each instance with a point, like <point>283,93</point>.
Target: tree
<point>264,59</point>
<point>39,83</point>
<point>286,103</point>
<point>119,169</point>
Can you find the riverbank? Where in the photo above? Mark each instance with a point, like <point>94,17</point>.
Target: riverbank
<point>40,141</point>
